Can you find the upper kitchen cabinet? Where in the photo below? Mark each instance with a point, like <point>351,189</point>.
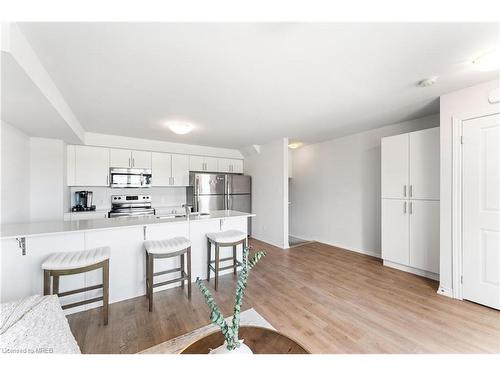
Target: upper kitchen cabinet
<point>170,169</point>
<point>230,166</point>
<point>424,164</point>
<point>87,166</point>
<point>395,166</point>
<point>203,164</point>
<point>121,158</point>
<point>410,165</point>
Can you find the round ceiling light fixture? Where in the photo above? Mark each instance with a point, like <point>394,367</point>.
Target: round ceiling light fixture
<point>294,145</point>
<point>488,61</point>
<point>179,127</point>
<point>428,81</point>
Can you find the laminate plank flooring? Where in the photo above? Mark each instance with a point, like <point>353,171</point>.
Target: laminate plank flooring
<point>329,299</point>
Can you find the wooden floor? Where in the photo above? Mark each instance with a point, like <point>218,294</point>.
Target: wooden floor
<point>330,300</point>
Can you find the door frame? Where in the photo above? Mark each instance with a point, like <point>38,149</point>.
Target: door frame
<point>457,198</point>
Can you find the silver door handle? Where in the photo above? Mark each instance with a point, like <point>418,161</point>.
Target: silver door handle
<point>133,162</point>
<point>411,191</point>
<point>173,180</point>
<point>411,208</point>
<point>107,179</point>
<point>404,207</point>
<point>404,191</point>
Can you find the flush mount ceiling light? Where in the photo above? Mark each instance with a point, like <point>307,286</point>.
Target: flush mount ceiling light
<point>428,81</point>
<point>295,145</point>
<point>179,127</point>
<point>488,61</point>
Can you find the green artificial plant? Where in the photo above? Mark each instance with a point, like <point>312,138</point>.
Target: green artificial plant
<point>230,332</point>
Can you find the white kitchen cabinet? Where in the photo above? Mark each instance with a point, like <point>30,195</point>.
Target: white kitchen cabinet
<point>180,170</point>
<point>410,201</point>
<point>120,158</point>
<point>123,158</point>
<point>395,243</point>
<point>424,235</point>
<point>230,165</point>
<point>203,163</point>
<point>170,169</point>
<point>424,164</point>
<point>141,159</point>
<point>394,166</point>
<point>91,166</point>
<point>161,168</point>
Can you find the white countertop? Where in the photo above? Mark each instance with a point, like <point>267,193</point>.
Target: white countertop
<point>54,227</point>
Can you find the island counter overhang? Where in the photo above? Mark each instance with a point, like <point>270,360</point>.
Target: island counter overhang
<point>22,276</point>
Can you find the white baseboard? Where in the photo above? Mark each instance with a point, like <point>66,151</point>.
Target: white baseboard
<point>267,241</point>
<point>361,251</point>
<point>415,271</point>
<point>445,291</point>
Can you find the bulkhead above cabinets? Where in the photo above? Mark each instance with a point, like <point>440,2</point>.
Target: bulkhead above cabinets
<point>89,165</point>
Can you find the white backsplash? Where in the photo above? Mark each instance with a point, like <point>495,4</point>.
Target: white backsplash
<point>167,197</point>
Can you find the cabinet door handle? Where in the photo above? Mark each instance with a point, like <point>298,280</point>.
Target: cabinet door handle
<point>107,180</point>
<point>411,208</point>
<point>404,191</point>
<point>411,191</point>
<point>404,207</point>
<point>173,180</point>
<point>129,163</point>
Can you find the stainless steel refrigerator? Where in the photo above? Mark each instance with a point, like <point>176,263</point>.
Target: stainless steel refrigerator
<point>212,191</point>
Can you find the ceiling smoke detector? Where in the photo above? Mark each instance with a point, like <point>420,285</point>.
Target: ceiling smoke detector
<point>428,81</point>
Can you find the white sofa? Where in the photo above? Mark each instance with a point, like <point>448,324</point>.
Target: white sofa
<point>35,324</point>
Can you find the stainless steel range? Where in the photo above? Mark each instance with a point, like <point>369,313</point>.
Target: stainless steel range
<point>131,205</point>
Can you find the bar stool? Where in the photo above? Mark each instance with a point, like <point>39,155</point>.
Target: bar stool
<point>72,263</point>
<point>230,238</point>
<point>172,247</point>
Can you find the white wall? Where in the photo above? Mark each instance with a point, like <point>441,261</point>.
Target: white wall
<point>47,179</point>
<point>470,101</point>
<point>269,171</point>
<point>335,188</point>
<point>15,175</point>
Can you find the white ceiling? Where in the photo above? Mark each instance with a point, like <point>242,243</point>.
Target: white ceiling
<point>244,84</point>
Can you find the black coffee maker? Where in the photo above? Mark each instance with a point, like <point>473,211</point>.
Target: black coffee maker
<point>83,201</point>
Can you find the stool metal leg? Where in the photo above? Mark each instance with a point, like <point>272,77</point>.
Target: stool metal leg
<point>46,282</point>
<point>105,291</point>
<point>234,260</point>
<point>216,266</point>
<point>150,277</point>
<point>189,270</point>
<point>209,254</point>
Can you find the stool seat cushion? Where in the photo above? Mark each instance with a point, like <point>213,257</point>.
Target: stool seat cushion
<point>170,245</point>
<point>76,259</point>
<point>228,236</point>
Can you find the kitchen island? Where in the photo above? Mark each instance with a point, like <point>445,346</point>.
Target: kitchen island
<point>25,246</point>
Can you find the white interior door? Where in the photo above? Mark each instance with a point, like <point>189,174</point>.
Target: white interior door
<point>481,210</point>
<point>161,168</point>
<point>424,164</point>
<point>424,235</point>
<point>395,241</point>
<point>395,166</point>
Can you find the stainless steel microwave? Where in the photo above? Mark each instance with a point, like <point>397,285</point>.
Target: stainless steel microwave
<point>130,177</point>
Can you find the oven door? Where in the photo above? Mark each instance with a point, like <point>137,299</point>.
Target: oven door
<point>130,178</point>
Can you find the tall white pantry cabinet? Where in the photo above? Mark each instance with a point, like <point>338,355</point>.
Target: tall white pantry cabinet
<point>410,202</point>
